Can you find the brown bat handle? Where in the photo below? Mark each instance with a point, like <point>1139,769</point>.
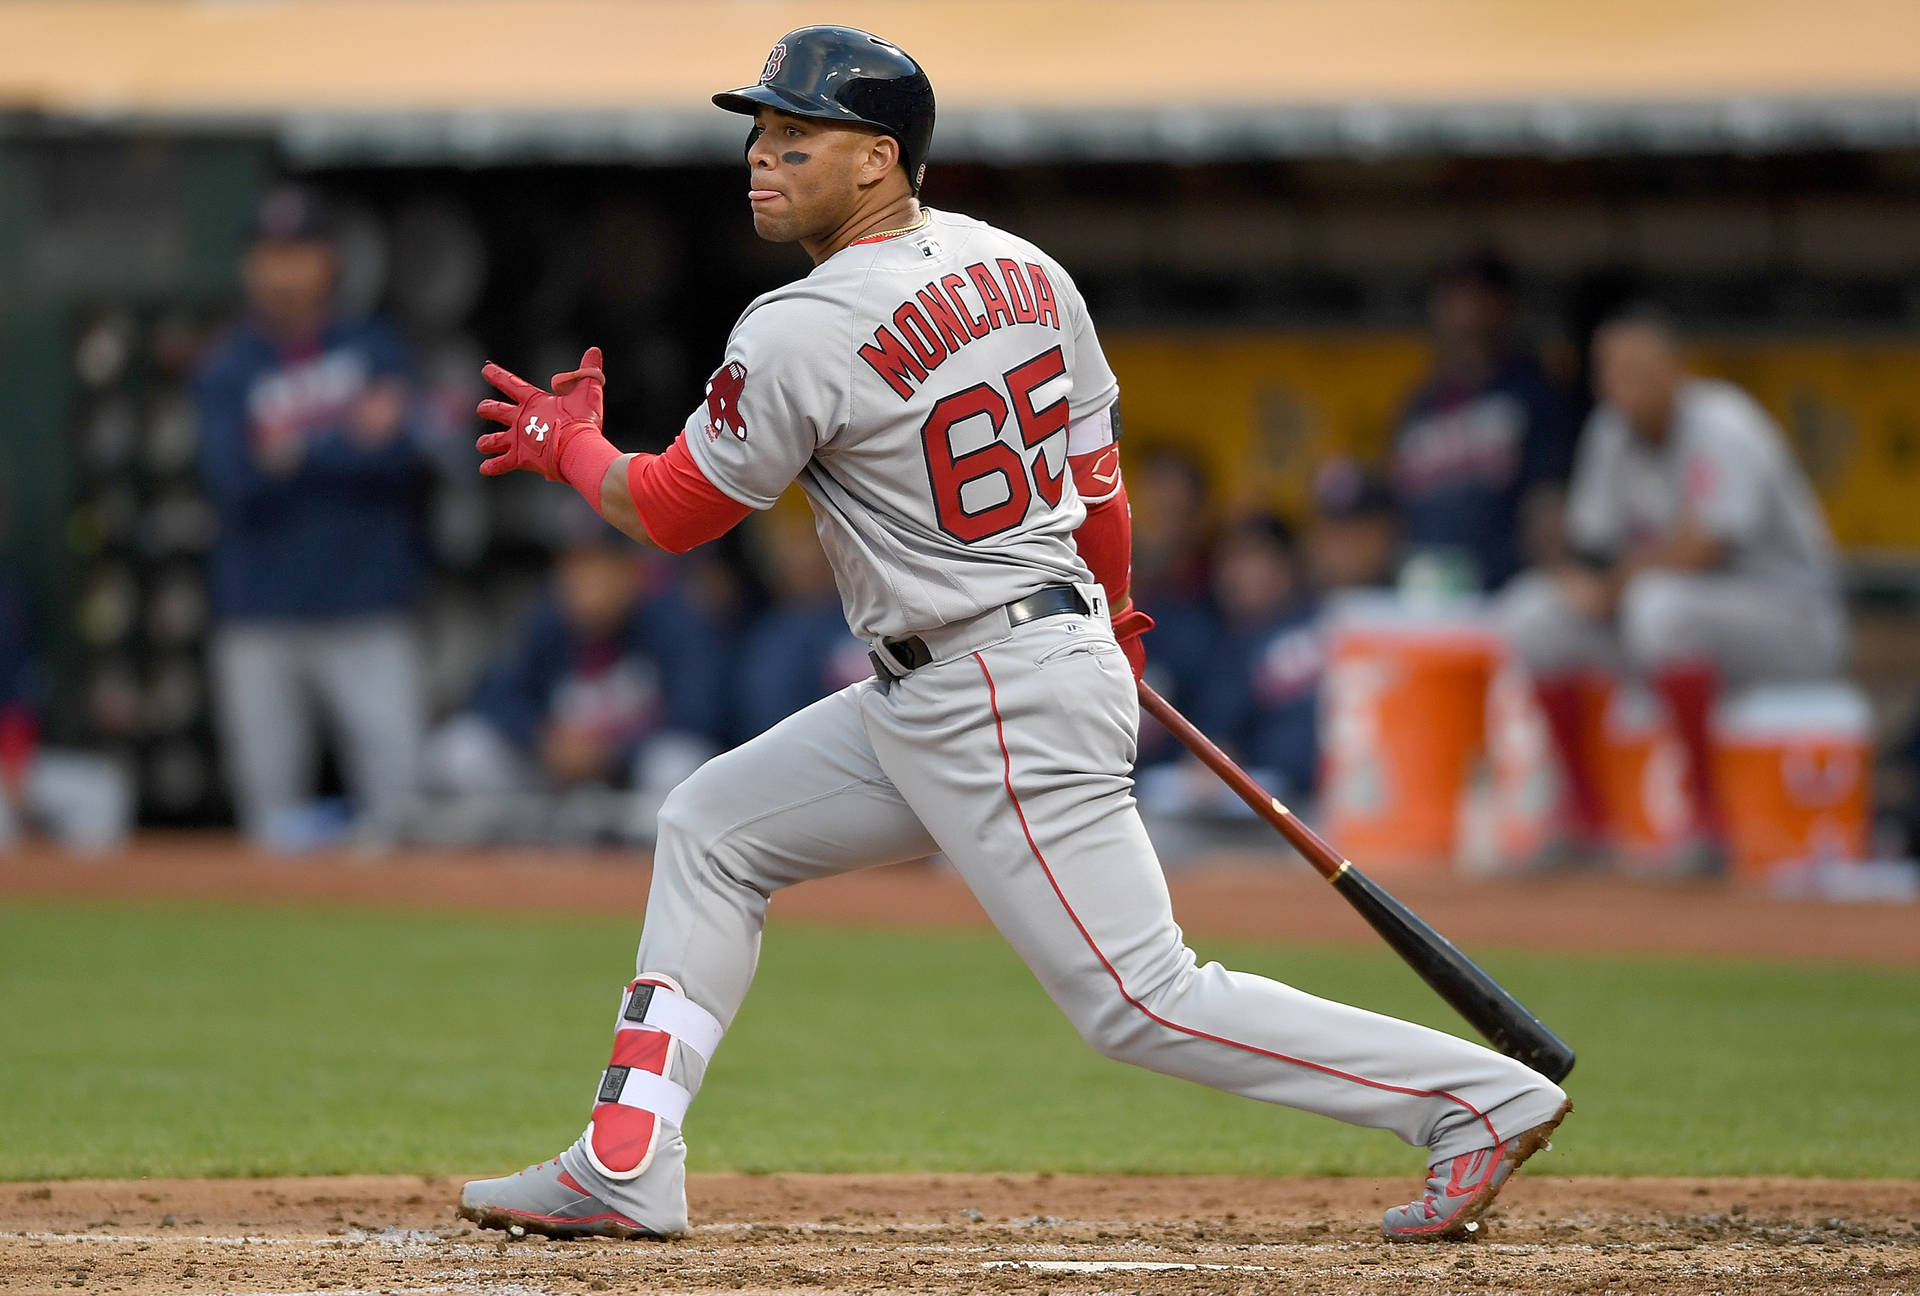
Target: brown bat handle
<point>1487,1005</point>
<point>1302,838</point>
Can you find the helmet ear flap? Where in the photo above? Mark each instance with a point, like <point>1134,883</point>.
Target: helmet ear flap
<point>841,75</point>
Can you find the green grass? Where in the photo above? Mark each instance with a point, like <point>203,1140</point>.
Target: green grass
<point>208,1040</point>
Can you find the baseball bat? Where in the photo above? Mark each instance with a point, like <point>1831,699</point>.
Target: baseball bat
<point>1484,1002</point>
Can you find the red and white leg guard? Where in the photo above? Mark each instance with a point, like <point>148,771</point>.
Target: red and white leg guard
<point>636,1094</point>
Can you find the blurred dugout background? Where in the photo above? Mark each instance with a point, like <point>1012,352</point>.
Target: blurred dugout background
<point>1254,196</point>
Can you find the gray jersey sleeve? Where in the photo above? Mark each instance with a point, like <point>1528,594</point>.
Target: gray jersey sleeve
<point>1094,386</point>
<point>1596,521</point>
<point>780,395</point>
<point>1731,458</point>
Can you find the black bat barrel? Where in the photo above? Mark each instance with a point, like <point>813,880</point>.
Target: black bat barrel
<point>1497,1015</point>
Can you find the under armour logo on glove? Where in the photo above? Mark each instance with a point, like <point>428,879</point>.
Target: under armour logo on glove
<point>548,420</point>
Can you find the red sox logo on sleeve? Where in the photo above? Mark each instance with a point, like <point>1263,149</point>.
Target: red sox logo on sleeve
<point>723,401</point>
<point>774,60</point>
<point>1701,481</point>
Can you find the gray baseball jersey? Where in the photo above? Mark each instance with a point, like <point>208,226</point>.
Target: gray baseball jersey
<point>1726,465</point>
<point>925,391</point>
<point>919,388</point>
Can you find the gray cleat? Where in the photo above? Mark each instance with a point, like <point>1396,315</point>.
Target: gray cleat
<point>545,1199</point>
<point>1461,1189</point>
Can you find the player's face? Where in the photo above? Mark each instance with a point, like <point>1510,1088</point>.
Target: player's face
<point>806,177</point>
<point>1253,577</point>
<point>598,587</point>
<point>1469,320</point>
<point>290,282</point>
<point>1637,372</point>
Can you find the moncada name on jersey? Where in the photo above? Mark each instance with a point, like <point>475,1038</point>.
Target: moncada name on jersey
<point>939,319</point>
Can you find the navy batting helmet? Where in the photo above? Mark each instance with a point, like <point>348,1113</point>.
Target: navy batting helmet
<point>846,75</point>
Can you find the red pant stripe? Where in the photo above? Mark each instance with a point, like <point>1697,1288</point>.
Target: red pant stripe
<point>999,727</point>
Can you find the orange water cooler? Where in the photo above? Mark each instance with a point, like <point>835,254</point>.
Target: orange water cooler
<point>1793,762</point>
<point>1795,769</point>
<point>1404,719</point>
<point>1640,767</point>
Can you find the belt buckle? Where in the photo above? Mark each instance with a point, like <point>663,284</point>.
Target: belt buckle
<point>908,653</point>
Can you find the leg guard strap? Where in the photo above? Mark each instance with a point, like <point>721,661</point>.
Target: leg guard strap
<point>644,1092</point>
<point>636,1096</point>
<point>661,1007</point>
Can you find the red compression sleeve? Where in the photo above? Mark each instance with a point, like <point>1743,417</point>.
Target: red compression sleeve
<point>1105,541</point>
<point>678,506</point>
<point>584,459</point>
<point>19,735</point>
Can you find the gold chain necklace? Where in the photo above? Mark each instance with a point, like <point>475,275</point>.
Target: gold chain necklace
<point>883,235</point>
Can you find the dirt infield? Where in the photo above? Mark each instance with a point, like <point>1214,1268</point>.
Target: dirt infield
<point>968,1233</point>
<point>972,1233</point>
<point>1264,897</point>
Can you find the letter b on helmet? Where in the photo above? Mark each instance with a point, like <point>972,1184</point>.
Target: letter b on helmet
<point>842,74</point>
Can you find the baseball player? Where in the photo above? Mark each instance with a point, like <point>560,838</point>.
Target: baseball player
<point>1700,558</point>
<point>937,390</point>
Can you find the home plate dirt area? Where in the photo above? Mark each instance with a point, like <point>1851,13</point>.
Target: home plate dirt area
<point>972,1233</point>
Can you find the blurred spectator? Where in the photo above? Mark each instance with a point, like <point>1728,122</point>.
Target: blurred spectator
<point>308,456</point>
<point>1354,540</point>
<point>1172,507</point>
<point>1260,698</point>
<point>1172,511</point>
<point>1482,451</point>
<point>799,650</point>
<point>1910,761</point>
<point>1700,559</point>
<point>85,802</point>
<point>610,695</point>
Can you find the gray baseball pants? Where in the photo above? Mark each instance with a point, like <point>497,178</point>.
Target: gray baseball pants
<point>1750,630</point>
<point>1014,759</point>
<point>273,681</point>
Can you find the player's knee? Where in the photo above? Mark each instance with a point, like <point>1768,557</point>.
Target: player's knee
<point>1134,1028</point>
<point>1113,1032</point>
<point>689,816</point>
<point>1662,619</point>
<point>1538,623</point>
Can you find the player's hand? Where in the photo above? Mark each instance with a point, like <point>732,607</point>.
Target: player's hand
<point>1128,625</point>
<point>539,423</point>
<point>572,755</point>
<point>1590,594</point>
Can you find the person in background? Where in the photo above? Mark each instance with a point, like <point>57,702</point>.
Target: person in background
<point>83,801</point>
<point>799,649</point>
<point>306,453</point>
<point>1699,559</point>
<point>1261,699</point>
<point>1172,541</point>
<point>1910,808</point>
<point>1258,699</point>
<point>1353,540</point>
<point>1480,455</point>
<point>610,695</point>
<point>19,717</point>
<point>1172,512</point>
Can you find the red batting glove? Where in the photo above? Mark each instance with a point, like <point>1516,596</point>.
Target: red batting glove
<point>1128,626</point>
<point>539,424</point>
